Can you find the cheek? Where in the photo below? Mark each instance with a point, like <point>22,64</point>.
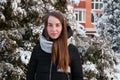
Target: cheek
<point>48,30</point>
<point>60,30</point>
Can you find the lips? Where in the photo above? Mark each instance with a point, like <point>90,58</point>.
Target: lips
<point>54,34</point>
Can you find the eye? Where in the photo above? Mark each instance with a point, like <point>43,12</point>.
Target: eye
<point>58,25</point>
<point>50,25</point>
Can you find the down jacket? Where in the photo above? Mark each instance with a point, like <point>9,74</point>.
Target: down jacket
<point>41,68</point>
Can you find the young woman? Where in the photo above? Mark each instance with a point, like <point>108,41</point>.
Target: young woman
<point>54,58</point>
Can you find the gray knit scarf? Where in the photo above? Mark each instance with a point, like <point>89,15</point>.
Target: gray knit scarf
<point>47,45</point>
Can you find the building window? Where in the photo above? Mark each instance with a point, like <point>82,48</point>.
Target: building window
<point>80,15</point>
<point>95,16</point>
<point>92,19</point>
<point>97,4</point>
<point>73,1</point>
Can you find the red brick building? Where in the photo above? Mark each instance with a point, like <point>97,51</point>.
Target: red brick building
<point>84,13</point>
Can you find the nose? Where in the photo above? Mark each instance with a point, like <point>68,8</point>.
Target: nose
<point>54,28</point>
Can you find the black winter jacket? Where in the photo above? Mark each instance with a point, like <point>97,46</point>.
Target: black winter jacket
<point>40,67</point>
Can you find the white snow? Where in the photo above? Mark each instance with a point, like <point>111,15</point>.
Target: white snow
<point>3,1</point>
<point>117,74</point>
<point>80,29</point>
<point>88,66</point>
<point>2,17</point>
<point>24,55</point>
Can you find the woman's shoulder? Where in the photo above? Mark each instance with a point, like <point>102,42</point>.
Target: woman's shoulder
<point>36,48</point>
<point>72,47</point>
<point>73,50</point>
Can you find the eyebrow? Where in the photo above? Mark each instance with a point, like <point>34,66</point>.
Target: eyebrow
<point>51,23</point>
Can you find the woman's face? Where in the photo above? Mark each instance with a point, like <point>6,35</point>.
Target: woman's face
<point>54,27</point>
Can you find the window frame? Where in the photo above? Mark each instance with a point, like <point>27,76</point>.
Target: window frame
<point>96,4</point>
<point>82,18</point>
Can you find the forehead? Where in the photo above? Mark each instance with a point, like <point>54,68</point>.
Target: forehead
<point>52,19</point>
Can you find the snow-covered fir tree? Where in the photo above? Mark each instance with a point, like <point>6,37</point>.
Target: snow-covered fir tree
<point>108,27</point>
<point>103,55</point>
<point>109,24</point>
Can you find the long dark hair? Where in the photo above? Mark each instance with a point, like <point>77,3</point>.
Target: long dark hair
<point>60,53</point>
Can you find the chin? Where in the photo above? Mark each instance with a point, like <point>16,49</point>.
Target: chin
<point>54,37</point>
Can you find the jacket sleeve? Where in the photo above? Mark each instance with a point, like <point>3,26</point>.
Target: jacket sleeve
<point>31,68</point>
<point>76,65</point>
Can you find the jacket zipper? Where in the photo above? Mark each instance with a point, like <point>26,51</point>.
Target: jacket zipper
<point>50,71</point>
